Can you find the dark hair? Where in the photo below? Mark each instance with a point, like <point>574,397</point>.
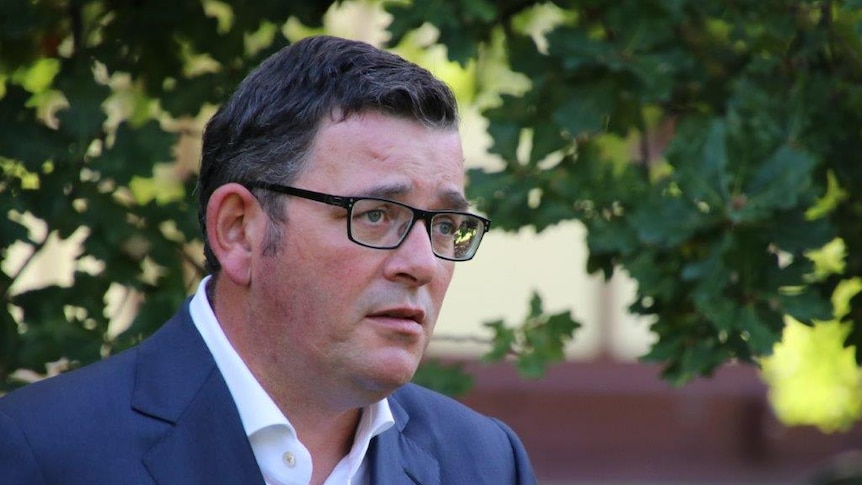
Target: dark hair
<point>264,131</point>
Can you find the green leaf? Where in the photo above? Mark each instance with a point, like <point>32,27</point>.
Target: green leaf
<point>702,174</point>
<point>22,136</point>
<point>806,305</point>
<point>586,107</point>
<point>535,306</point>
<point>82,120</point>
<point>666,221</point>
<point>135,151</point>
<point>503,341</point>
<point>506,136</point>
<point>793,232</point>
<point>779,184</point>
<point>761,333</point>
<point>508,206</point>
<point>579,51</point>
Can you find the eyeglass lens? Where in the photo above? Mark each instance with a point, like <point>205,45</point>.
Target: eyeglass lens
<point>383,224</point>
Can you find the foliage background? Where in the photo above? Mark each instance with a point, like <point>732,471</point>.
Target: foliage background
<point>711,150</point>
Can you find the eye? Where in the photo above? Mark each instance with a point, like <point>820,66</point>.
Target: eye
<point>445,226</point>
<point>373,215</point>
<point>374,212</point>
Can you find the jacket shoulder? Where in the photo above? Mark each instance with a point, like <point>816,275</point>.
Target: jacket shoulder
<point>461,438</point>
<point>79,389</point>
<point>425,404</point>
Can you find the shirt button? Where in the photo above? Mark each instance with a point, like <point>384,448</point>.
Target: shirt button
<point>289,459</point>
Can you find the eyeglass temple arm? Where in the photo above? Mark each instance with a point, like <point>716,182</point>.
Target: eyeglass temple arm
<point>305,194</point>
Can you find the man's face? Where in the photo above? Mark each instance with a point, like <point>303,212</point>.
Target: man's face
<point>348,316</point>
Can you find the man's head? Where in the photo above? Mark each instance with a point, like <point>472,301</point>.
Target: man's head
<point>320,294</point>
<point>264,131</point>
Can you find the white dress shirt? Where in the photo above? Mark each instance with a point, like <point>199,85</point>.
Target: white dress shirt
<point>281,456</point>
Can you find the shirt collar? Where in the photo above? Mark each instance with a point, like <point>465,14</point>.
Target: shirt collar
<point>256,408</point>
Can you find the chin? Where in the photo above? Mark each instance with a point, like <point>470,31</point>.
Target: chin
<point>388,374</point>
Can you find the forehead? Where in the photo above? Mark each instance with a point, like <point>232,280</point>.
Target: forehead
<point>377,155</point>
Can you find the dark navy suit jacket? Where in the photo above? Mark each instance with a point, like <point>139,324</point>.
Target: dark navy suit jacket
<point>162,413</point>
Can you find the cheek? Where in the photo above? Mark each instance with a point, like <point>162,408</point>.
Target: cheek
<point>340,280</point>
<point>438,287</point>
<point>446,271</point>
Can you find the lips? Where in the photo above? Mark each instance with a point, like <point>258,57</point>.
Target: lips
<point>417,315</point>
<point>402,321</point>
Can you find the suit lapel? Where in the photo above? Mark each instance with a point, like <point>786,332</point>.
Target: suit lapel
<point>178,384</point>
<point>394,458</point>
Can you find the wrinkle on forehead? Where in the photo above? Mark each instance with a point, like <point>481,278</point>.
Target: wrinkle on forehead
<point>374,155</point>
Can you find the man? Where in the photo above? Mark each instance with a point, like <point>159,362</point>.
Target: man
<point>332,206</point>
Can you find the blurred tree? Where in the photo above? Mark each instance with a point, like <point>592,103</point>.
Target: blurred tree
<point>94,94</point>
<point>708,148</point>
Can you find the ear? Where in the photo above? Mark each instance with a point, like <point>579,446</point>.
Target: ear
<point>235,226</point>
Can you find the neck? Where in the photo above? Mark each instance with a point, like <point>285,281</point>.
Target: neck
<point>327,431</point>
<point>325,421</point>
<point>328,440</point>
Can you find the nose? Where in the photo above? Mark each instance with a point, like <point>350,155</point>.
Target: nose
<point>413,261</point>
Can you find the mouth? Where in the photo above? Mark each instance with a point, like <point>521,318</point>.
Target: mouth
<point>406,319</point>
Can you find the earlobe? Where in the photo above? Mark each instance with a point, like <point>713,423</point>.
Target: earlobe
<point>232,217</point>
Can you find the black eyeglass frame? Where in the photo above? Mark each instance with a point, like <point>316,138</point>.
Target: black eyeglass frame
<point>349,202</point>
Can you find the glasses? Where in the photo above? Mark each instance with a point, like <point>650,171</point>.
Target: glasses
<point>384,224</point>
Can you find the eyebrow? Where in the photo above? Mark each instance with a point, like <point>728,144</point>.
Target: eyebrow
<point>451,199</point>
